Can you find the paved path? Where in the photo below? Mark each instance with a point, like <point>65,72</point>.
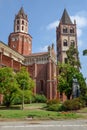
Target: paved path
<point>45,125</point>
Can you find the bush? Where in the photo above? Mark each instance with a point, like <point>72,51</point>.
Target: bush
<point>53,101</point>
<point>84,100</point>
<point>17,100</point>
<point>55,107</point>
<point>27,100</point>
<point>74,104</point>
<point>40,98</point>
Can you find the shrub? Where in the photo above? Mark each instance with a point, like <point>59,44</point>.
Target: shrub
<point>84,100</point>
<point>40,98</point>
<point>53,101</point>
<point>55,107</point>
<point>17,100</point>
<point>73,104</point>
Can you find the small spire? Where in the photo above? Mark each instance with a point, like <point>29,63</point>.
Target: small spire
<point>65,18</point>
<point>52,45</point>
<point>21,11</point>
<point>21,14</point>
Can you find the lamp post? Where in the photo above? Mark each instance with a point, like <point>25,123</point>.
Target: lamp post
<point>23,96</point>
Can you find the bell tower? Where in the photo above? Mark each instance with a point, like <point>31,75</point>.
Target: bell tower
<point>65,36</point>
<point>20,40</point>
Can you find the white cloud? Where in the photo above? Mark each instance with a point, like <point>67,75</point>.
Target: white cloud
<point>52,25</point>
<point>80,20</point>
<point>79,32</point>
<point>80,43</point>
<point>44,49</point>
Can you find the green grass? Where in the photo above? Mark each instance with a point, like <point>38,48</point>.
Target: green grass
<point>36,111</point>
<point>83,110</point>
<point>35,105</point>
<point>35,114</point>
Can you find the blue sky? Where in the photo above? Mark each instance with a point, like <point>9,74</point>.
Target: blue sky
<point>44,16</point>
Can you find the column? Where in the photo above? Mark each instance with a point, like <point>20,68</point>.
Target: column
<point>49,82</point>
<point>35,76</point>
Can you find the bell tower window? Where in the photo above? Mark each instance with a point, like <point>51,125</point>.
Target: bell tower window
<point>65,43</point>
<point>72,43</point>
<point>22,28</point>
<point>71,30</point>
<point>17,28</point>
<point>23,22</point>
<point>65,30</point>
<point>18,22</point>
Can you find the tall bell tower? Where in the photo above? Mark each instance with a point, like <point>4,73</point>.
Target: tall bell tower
<point>65,36</point>
<point>20,40</point>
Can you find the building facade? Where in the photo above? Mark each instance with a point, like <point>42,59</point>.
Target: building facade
<point>41,66</point>
<point>18,53</point>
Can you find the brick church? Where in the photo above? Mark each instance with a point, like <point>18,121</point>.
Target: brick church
<point>41,66</point>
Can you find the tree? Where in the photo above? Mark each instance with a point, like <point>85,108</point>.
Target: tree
<point>68,71</point>
<point>72,56</point>
<point>85,52</point>
<point>8,85</point>
<point>65,79</point>
<point>82,83</point>
<point>26,84</point>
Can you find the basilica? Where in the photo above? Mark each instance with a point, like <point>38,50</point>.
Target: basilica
<point>41,66</point>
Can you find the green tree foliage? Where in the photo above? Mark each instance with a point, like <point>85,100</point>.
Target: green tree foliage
<point>65,79</point>
<point>82,83</point>
<point>85,52</point>
<point>72,56</point>
<point>8,85</point>
<point>68,71</point>
<point>25,82</point>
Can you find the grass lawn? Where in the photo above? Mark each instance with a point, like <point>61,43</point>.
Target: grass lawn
<point>35,111</point>
<point>84,110</point>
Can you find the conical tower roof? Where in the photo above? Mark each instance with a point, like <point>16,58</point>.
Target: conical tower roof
<point>65,18</point>
<point>21,14</point>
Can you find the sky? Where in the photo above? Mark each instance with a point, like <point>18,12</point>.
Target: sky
<point>44,16</point>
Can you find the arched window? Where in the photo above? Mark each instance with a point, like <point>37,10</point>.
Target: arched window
<point>65,43</point>
<point>71,30</point>
<point>17,21</point>
<point>64,30</point>
<point>17,28</point>
<point>22,28</point>
<point>23,22</point>
<point>72,43</point>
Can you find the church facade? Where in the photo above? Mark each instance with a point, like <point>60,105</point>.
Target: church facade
<point>41,66</point>
<point>18,53</point>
